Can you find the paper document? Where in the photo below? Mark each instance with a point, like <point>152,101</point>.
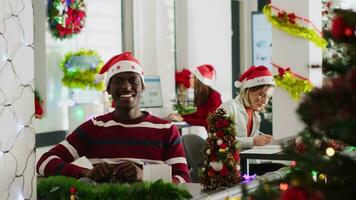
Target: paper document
<point>180,123</point>
<point>156,171</point>
<point>260,150</point>
<point>269,146</point>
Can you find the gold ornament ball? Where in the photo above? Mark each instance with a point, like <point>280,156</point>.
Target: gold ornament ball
<point>321,177</point>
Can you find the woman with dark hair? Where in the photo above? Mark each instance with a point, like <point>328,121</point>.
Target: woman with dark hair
<point>206,99</point>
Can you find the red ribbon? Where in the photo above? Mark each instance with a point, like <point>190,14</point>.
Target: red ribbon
<point>282,71</point>
<point>292,17</point>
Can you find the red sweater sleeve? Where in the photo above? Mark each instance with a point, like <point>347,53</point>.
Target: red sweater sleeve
<point>175,156</point>
<point>199,118</point>
<point>57,160</point>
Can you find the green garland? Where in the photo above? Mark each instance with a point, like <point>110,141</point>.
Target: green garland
<point>58,187</point>
<point>81,78</point>
<point>294,29</point>
<point>295,86</point>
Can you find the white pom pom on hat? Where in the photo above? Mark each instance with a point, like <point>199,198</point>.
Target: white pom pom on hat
<point>237,84</point>
<point>124,62</point>
<point>255,76</point>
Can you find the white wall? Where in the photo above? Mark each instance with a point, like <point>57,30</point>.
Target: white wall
<point>246,9</point>
<point>17,136</point>
<point>298,54</point>
<point>204,36</point>
<point>154,45</point>
<point>102,33</point>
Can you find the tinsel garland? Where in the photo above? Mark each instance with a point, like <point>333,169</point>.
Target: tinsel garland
<point>294,85</point>
<point>60,187</point>
<point>294,29</point>
<point>81,78</point>
<point>65,17</point>
<point>221,155</point>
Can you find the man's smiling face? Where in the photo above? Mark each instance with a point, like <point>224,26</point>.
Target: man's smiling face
<point>126,89</point>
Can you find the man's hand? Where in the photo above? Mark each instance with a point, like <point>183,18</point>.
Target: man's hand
<point>101,172</point>
<point>262,140</point>
<point>128,172</point>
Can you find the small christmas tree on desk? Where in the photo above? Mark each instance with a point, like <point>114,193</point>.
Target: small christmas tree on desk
<point>222,155</point>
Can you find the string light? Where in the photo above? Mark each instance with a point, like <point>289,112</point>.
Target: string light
<point>21,181</point>
<point>248,178</point>
<point>330,151</point>
<point>293,163</point>
<point>283,186</point>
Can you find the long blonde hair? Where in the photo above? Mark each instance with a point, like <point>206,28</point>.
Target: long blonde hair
<point>244,94</point>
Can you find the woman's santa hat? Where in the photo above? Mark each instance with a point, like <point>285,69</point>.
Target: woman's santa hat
<point>124,62</point>
<point>205,73</point>
<point>255,76</point>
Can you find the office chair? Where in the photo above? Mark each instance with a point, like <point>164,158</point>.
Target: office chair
<point>193,147</point>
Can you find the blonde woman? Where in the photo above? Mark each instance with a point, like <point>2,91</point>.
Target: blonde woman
<point>256,88</point>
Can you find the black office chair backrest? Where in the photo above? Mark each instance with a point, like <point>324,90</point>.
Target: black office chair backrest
<point>193,147</point>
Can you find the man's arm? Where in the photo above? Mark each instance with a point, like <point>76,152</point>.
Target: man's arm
<point>175,156</point>
<point>57,160</point>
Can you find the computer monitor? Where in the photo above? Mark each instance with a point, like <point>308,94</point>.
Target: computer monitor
<point>152,96</point>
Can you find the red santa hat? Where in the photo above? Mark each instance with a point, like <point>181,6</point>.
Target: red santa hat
<point>124,62</point>
<point>205,73</point>
<point>255,76</point>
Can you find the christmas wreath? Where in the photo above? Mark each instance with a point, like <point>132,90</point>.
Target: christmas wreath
<point>65,17</point>
<point>79,69</point>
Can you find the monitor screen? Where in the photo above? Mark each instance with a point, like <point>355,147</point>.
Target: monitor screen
<point>152,96</point>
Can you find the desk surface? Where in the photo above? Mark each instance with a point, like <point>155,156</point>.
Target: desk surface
<point>275,156</point>
<point>268,152</point>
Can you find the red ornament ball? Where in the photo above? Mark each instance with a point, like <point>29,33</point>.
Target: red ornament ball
<point>348,31</point>
<point>72,190</point>
<point>337,27</point>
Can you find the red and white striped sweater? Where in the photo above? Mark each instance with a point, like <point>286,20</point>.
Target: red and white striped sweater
<point>105,139</point>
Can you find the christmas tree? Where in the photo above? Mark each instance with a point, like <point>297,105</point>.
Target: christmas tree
<point>221,163</point>
<point>339,29</point>
<point>325,152</point>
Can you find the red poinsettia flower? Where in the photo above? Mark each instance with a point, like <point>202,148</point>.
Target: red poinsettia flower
<point>222,123</point>
<point>224,171</point>
<point>183,77</point>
